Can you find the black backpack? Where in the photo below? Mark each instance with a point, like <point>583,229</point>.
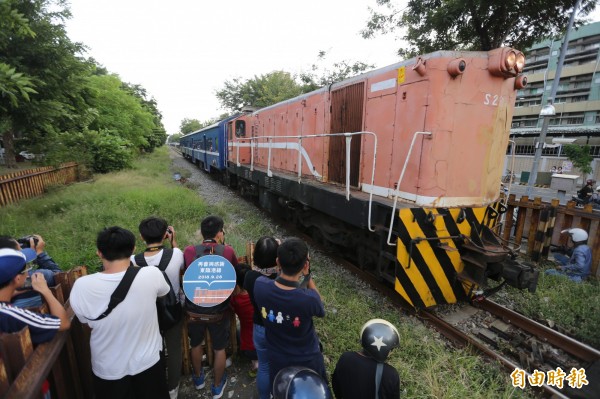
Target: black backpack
<point>168,307</point>
<point>190,307</point>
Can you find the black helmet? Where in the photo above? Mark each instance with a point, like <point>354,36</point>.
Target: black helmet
<point>378,337</point>
<point>297,382</point>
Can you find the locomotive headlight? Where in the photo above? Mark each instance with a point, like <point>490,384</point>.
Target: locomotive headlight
<point>520,63</point>
<point>505,62</point>
<point>511,59</point>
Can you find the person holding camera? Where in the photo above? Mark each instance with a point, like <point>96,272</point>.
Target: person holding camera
<point>288,309</point>
<point>34,246</point>
<point>155,232</point>
<point>125,341</point>
<point>42,327</point>
<point>215,319</point>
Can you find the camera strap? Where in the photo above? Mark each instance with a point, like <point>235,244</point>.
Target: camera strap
<point>121,291</point>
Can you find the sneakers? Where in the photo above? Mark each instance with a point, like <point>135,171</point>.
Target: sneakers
<point>198,381</point>
<point>217,392</point>
<point>174,393</point>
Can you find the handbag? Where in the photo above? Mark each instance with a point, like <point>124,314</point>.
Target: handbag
<point>168,308</point>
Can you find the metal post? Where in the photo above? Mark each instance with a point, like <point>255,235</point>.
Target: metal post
<point>546,119</point>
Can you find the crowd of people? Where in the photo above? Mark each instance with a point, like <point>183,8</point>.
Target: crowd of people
<point>275,299</point>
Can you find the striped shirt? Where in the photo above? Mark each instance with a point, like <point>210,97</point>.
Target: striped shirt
<point>42,327</point>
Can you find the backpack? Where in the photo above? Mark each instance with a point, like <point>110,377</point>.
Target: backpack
<point>191,308</point>
<point>168,307</point>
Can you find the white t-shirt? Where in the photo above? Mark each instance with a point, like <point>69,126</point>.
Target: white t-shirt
<point>173,269</point>
<point>127,341</point>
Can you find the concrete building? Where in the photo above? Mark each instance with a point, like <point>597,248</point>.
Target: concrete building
<point>577,103</point>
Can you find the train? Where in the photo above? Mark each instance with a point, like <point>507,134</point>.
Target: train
<point>398,169</point>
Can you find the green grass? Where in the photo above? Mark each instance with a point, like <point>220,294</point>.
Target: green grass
<point>558,300</point>
<point>69,219</point>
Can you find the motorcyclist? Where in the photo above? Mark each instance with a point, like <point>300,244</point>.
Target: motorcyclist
<point>578,265</point>
<point>586,191</point>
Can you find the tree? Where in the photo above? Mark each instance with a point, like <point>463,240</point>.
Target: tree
<point>431,25</point>
<point>321,75</point>
<point>49,59</point>
<point>174,138</point>
<point>120,112</point>
<point>260,91</point>
<point>271,88</point>
<point>189,125</point>
<point>580,157</point>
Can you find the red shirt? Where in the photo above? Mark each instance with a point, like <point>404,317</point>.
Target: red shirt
<point>244,310</point>
<point>189,254</point>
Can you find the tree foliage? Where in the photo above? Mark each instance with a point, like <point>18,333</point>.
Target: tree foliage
<point>271,88</point>
<point>580,156</point>
<point>189,125</point>
<point>260,91</point>
<point>430,25</point>
<point>51,96</point>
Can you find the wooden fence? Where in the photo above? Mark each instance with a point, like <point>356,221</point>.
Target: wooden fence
<point>534,226</point>
<point>64,361</point>
<point>33,182</point>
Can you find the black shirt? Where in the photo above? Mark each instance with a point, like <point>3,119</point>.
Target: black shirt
<point>354,378</point>
<point>249,281</point>
<point>585,192</point>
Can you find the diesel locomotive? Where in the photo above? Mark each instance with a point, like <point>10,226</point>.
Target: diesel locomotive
<point>397,168</point>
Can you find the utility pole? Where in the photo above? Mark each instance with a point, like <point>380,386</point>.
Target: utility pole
<point>548,110</point>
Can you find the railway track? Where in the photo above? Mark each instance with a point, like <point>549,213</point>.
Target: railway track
<point>524,347</point>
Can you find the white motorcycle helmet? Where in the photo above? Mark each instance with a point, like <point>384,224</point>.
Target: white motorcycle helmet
<point>577,234</point>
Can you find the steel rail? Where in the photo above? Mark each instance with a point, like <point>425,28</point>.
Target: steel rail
<point>460,338</point>
<point>542,332</point>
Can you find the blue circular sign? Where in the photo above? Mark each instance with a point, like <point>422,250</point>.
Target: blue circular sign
<point>209,280</point>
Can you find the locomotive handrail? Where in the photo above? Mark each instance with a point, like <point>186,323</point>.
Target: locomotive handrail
<point>348,137</point>
<point>398,184</point>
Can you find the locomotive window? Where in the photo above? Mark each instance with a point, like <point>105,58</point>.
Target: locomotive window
<point>240,128</point>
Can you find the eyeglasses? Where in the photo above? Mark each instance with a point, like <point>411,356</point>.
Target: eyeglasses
<point>26,269</point>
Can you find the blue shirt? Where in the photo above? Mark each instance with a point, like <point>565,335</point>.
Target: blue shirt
<point>580,262</point>
<point>287,317</point>
<point>42,327</point>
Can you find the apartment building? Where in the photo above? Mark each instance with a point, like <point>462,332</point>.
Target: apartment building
<point>577,103</point>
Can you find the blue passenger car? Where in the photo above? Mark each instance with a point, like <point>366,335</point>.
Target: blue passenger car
<point>207,147</point>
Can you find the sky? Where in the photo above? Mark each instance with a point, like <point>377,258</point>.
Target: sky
<point>183,51</point>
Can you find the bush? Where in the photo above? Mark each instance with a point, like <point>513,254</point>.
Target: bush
<point>110,153</point>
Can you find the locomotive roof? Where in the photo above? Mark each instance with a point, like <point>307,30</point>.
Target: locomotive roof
<point>374,72</point>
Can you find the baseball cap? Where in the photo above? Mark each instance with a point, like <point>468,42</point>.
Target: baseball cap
<point>12,263</point>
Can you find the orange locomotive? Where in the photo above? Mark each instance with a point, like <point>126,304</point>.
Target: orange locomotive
<point>398,168</point>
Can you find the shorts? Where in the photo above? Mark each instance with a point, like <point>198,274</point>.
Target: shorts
<point>219,333</point>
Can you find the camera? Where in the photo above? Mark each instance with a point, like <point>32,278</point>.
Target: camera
<point>24,241</point>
